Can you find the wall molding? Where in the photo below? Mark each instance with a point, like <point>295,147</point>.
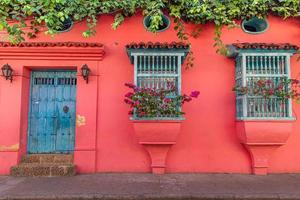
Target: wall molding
<point>52,51</point>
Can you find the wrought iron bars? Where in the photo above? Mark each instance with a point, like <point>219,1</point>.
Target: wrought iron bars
<point>250,67</point>
<point>157,69</point>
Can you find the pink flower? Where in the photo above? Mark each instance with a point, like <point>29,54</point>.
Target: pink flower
<point>280,87</point>
<point>130,85</point>
<point>164,106</point>
<point>136,89</point>
<point>137,103</point>
<point>129,95</point>
<point>186,98</point>
<point>167,100</point>
<point>269,81</point>
<point>194,94</point>
<point>149,89</point>
<point>130,112</point>
<point>127,101</point>
<point>295,81</point>
<point>154,93</point>
<point>270,92</point>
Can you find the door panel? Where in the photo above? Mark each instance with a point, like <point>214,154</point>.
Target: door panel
<point>52,112</point>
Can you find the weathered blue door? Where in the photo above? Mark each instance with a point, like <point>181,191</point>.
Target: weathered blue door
<point>52,112</point>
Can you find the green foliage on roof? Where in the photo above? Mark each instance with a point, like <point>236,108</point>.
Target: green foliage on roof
<point>13,14</point>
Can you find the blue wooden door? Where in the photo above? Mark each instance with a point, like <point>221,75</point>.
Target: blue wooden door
<point>52,112</point>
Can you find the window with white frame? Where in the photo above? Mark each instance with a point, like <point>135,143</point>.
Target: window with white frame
<point>157,65</point>
<point>156,70</point>
<point>253,65</point>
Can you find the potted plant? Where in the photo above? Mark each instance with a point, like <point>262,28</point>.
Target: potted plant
<point>157,116</point>
<point>270,121</point>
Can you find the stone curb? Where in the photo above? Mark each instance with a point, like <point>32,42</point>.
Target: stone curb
<point>157,197</point>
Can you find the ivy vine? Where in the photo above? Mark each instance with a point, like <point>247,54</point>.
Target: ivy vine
<point>21,18</point>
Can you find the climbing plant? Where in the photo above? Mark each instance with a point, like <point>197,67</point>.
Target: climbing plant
<point>19,18</point>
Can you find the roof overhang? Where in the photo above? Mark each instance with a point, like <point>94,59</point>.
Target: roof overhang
<point>237,48</point>
<point>157,47</point>
<point>52,51</point>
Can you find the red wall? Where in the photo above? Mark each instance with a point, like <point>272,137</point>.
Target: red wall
<point>208,141</point>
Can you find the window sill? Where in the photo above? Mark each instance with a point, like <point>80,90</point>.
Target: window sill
<point>266,119</point>
<point>157,118</point>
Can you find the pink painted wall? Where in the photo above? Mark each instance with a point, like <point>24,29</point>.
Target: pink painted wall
<point>208,141</point>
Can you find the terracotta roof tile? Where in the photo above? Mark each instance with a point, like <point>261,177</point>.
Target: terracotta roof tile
<point>157,45</point>
<point>266,46</point>
<point>51,44</point>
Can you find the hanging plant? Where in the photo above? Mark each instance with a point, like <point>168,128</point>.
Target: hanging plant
<point>13,14</point>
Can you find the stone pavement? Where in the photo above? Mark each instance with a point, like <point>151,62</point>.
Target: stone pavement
<point>147,186</point>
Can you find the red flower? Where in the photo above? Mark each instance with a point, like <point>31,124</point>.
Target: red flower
<point>130,85</point>
<point>127,101</point>
<point>295,81</point>
<point>167,100</point>
<point>194,94</point>
<point>280,87</point>
<point>270,92</point>
<point>130,112</point>
<point>186,98</point>
<point>151,102</point>
<point>269,81</point>
<point>129,95</point>
<point>137,103</point>
<point>154,93</point>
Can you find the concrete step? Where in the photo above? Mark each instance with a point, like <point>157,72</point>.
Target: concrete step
<point>48,158</point>
<point>43,169</point>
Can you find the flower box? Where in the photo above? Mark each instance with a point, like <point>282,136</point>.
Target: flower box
<point>157,137</point>
<point>157,119</point>
<point>262,138</point>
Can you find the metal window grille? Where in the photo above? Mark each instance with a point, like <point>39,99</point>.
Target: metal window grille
<point>66,81</point>
<point>44,81</point>
<point>251,67</point>
<point>53,81</point>
<point>157,69</point>
<point>154,70</point>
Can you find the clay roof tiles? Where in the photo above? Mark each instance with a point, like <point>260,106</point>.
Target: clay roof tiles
<point>51,44</point>
<point>266,46</point>
<point>157,45</point>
